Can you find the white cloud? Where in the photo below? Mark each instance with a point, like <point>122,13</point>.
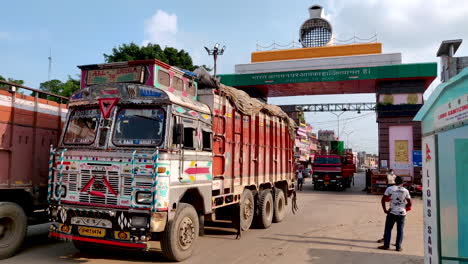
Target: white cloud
<point>161,29</point>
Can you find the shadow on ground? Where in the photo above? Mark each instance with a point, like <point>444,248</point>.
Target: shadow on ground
<point>328,256</point>
<point>357,251</point>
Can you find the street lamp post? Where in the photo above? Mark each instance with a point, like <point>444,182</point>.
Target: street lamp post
<point>215,52</point>
<point>347,137</point>
<point>338,121</point>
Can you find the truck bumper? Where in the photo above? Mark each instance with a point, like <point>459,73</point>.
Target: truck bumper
<point>63,236</point>
<point>329,183</point>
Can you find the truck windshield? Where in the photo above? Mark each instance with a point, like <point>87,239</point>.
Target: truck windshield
<point>82,126</point>
<point>139,127</point>
<point>327,160</point>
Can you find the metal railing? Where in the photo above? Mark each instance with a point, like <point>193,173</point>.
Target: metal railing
<point>339,107</point>
<point>334,42</point>
<point>12,88</point>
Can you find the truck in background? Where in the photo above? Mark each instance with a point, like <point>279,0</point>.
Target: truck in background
<point>150,154</point>
<point>29,125</point>
<point>335,168</point>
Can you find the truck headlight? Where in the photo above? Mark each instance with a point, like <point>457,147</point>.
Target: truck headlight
<point>338,176</point>
<point>63,189</point>
<point>143,197</point>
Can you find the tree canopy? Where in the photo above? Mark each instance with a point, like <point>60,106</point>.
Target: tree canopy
<point>61,88</point>
<point>19,82</point>
<point>169,55</point>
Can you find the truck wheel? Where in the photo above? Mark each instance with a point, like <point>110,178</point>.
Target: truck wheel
<point>180,234</point>
<point>247,209</point>
<point>280,206</point>
<point>13,226</point>
<point>265,208</point>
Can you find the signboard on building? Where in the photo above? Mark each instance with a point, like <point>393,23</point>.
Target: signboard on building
<point>417,158</point>
<point>450,113</point>
<point>430,198</point>
<point>401,150</point>
<point>384,164</point>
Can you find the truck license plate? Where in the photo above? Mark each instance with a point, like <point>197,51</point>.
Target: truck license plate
<point>326,182</point>
<point>91,231</point>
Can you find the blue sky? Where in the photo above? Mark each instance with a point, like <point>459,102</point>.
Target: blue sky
<point>79,32</point>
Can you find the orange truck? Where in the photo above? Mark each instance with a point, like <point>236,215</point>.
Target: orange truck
<point>29,125</point>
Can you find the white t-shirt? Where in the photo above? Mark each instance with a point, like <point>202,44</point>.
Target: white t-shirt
<point>391,178</point>
<point>398,196</point>
<point>299,175</point>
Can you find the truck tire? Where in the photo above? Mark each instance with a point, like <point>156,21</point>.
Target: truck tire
<point>279,206</point>
<point>247,209</point>
<point>178,239</point>
<point>265,209</point>
<point>13,226</point>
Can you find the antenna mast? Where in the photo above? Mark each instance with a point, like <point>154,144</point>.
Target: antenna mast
<point>50,64</point>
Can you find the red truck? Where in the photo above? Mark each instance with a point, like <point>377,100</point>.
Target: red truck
<point>149,153</point>
<point>333,171</point>
<point>29,125</point>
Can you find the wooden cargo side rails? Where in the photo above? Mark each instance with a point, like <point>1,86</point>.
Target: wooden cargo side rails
<point>24,145</point>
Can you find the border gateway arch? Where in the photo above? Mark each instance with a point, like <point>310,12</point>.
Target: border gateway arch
<point>323,67</point>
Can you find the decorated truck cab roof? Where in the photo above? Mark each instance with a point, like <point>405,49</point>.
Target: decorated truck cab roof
<point>143,82</point>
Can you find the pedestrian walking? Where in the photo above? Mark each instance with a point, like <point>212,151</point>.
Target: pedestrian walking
<point>300,180</point>
<point>400,204</point>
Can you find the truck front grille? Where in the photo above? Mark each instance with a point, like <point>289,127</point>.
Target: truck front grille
<point>99,186</point>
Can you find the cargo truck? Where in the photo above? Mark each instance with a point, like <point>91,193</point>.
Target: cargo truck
<point>28,126</point>
<point>148,155</point>
<point>334,169</point>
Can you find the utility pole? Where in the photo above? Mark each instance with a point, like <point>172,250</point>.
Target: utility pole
<point>347,137</point>
<point>215,52</point>
<point>338,121</point>
<point>50,64</point>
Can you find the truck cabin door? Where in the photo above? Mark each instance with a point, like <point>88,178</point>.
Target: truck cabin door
<point>190,144</point>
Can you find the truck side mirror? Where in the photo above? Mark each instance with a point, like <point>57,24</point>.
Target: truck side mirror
<point>179,134</point>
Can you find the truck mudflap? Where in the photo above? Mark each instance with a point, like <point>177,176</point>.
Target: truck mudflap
<point>68,237</point>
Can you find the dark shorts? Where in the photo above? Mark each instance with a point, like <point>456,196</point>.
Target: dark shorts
<point>300,181</point>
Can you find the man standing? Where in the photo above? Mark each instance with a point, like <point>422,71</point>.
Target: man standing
<point>390,178</point>
<point>300,180</point>
<point>400,203</point>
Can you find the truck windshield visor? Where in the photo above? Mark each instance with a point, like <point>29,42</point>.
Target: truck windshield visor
<point>327,160</point>
<point>82,127</point>
<point>139,127</point>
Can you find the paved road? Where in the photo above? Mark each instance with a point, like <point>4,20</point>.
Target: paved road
<point>331,227</point>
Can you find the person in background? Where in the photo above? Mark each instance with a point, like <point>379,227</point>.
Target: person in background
<point>400,204</point>
<point>390,178</point>
<point>368,180</point>
<point>300,179</point>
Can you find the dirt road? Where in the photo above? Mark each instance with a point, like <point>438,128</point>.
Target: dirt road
<point>331,227</point>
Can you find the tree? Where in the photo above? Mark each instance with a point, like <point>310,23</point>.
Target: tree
<point>60,88</point>
<point>19,82</point>
<point>169,55</point>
